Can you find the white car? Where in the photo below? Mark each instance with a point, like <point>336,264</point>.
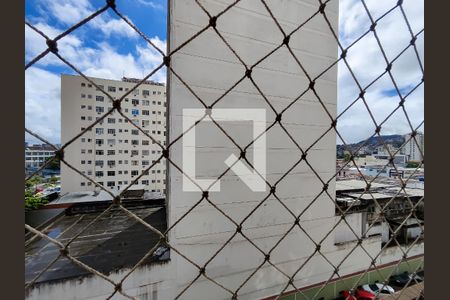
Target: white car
<point>378,289</point>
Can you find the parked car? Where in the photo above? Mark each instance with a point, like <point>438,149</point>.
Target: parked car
<point>358,294</point>
<point>378,289</point>
<point>345,295</point>
<point>404,279</point>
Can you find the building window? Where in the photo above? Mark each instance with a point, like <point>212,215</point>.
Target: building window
<point>111,88</point>
<point>111,131</point>
<point>99,142</point>
<point>145,142</point>
<point>144,182</point>
<point>99,163</point>
<point>89,96</point>
<point>111,163</point>
<point>134,101</point>
<point>145,112</point>
<point>145,92</point>
<point>135,92</point>
<point>100,87</point>
<point>99,109</point>
<point>110,183</point>
<point>134,162</point>
<point>98,131</point>
<point>134,142</point>
<point>135,132</point>
<point>98,173</point>
<point>83,84</point>
<point>145,152</point>
<point>99,152</point>
<point>111,121</point>
<point>82,184</point>
<point>145,163</point>
<point>135,112</point>
<point>111,173</point>
<point>134,173</point>
<point>99,98</point>
<point>83,95</point>
<point>111,152</point>
<point>134,152</point>
<point>111,142</point>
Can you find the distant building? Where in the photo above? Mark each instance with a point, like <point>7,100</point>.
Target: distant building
<point>36,155</point>
<point>113,152</point>
<point>412,148</point>
<point>383,149</point>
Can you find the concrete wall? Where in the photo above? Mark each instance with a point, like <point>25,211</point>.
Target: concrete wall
<point>252,33</point>
<point>349,232</point>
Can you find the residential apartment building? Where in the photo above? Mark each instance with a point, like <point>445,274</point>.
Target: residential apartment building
<point>412,148</point>
<point>113,152</point>
<point>36,155</point>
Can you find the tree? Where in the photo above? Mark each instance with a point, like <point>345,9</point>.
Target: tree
<point>55,164</point>
<point>347,157</point>
<point>33,202</point>
<point>33,181</point>
<point>412,164</point>
<point>54,180</point>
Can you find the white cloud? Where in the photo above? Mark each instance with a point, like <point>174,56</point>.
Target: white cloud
<point>68,12</point>
<point>152,4</point>
<point>365,59</point>
<point>42,103</point>
<point>42,87</point>
<point>367,62</point>
<point>110,26</point>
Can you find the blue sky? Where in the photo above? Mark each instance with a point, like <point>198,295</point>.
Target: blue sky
<point>107,47</point>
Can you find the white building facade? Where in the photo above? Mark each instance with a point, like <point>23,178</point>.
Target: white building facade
<point>36,155</point>
<point>113,152</point>
<point>413,149</point>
